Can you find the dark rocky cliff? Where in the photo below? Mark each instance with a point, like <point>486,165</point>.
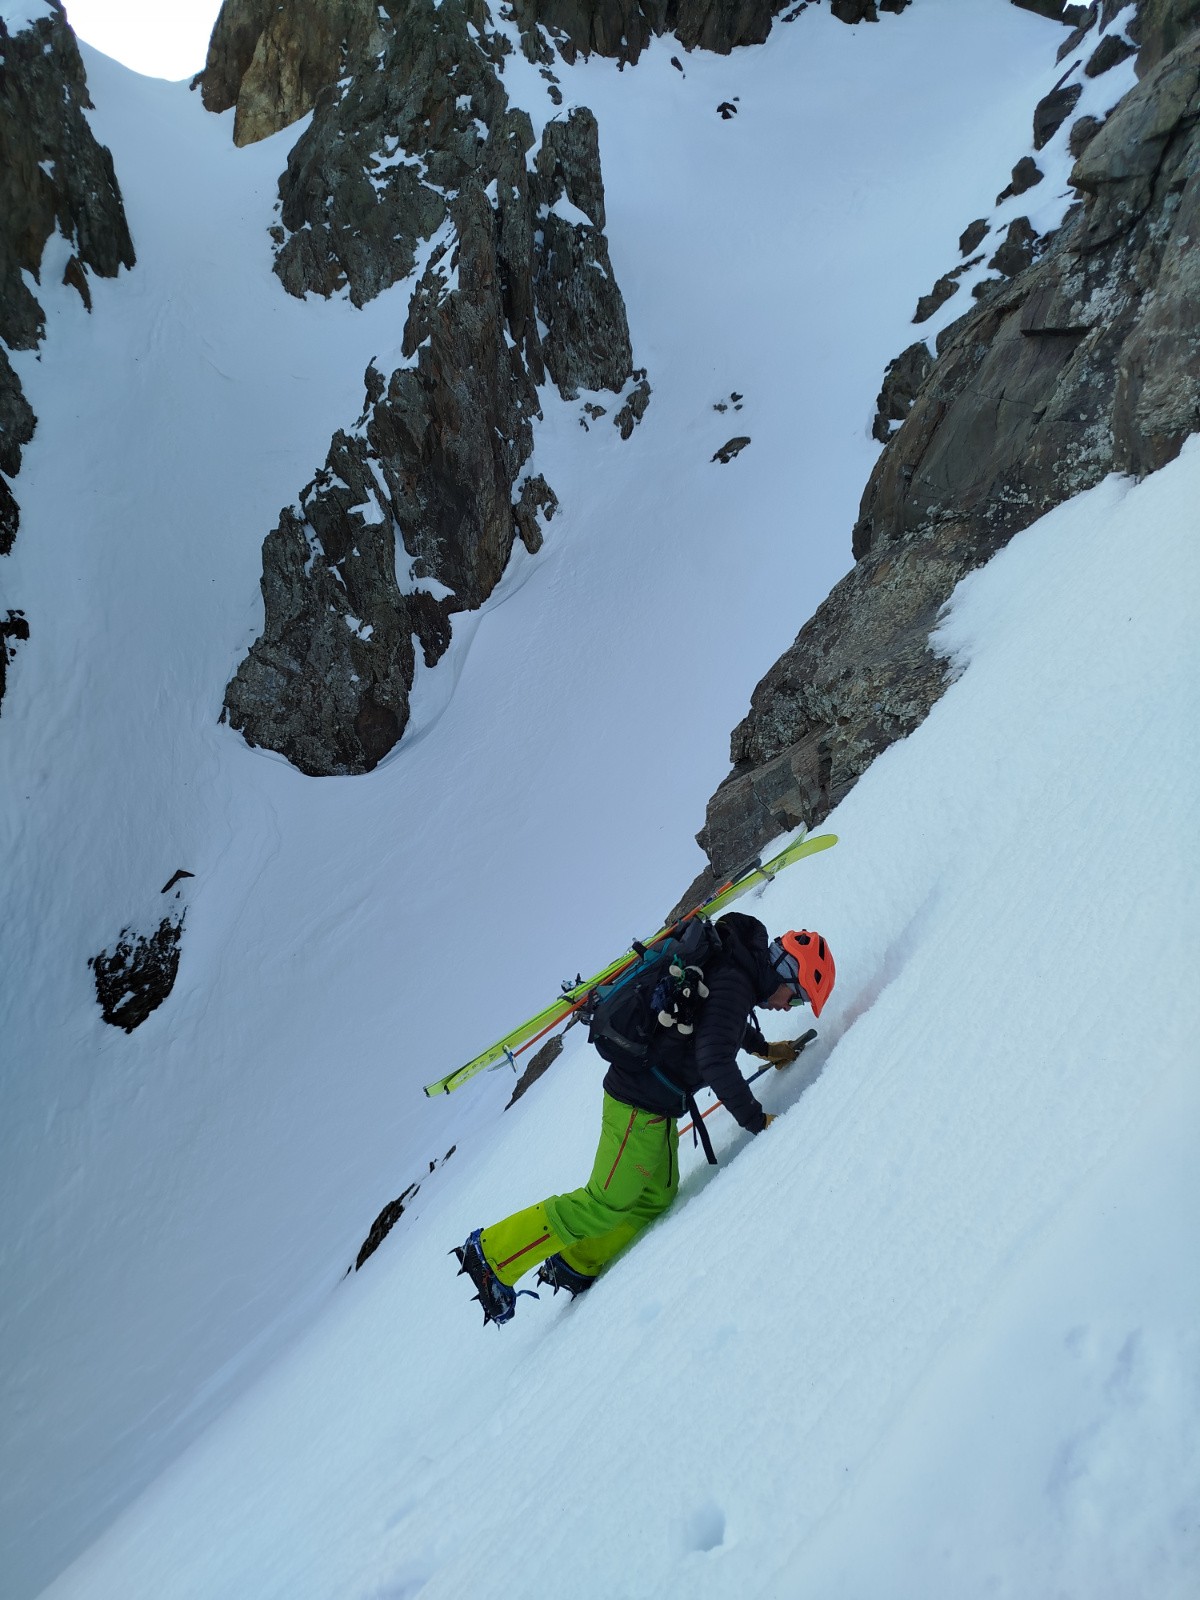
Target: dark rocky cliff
<point>270,59</point>
<point>54,177</point>
<point>1084,361</point>
<point>417,161</point>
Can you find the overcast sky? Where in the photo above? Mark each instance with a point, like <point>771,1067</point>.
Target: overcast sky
<point>162,38</point>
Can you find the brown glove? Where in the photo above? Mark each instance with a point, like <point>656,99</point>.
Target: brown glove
<point>768,1119</point>
<point>783,1052</point>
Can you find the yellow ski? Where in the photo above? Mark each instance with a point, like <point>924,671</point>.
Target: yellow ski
<point>567,1003</point>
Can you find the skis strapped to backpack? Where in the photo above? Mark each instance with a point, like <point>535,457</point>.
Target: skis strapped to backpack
<point>575,995</point>
<point>662,991</point>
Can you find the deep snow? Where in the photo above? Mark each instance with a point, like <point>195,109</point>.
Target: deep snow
<point>182,1203</point>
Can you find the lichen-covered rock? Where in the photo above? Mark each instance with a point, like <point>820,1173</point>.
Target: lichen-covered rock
<point>1086,362</point>
<point>54,177</point>
<point>1038,393</point>
<point>859,676</point>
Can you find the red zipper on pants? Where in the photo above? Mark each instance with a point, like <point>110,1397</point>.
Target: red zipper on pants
<point>524,1251</point>
<point>621,1151</point>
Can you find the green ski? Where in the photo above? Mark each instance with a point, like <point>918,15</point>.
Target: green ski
<point>545,1021</point>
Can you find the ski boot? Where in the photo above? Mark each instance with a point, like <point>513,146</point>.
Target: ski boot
<point>498,1300</point>
<point>556,1274</point>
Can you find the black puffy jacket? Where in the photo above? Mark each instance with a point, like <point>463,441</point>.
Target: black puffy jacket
<point>739,979</point>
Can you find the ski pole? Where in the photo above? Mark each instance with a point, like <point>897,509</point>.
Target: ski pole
<point>804,1040</point>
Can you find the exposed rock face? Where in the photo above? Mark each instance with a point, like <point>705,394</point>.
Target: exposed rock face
<point>17,423</point>
<point>416,510</point>
<point>14,630</point>
<point>1051,112</point>
<point>136,976</point>
<point>368,180</point>
<point>1055,10</point>
<point>623,28</point>
<point>539,1064</point>
<point>391,1214</point>
<point>1161,25</point>
<point>1086,362</point>
<point>1018,250</point>
<point>901,384</point>
<point>138,973</point>
<point>270,60</point>
<point>54,177</point>
<point>1025,174</point>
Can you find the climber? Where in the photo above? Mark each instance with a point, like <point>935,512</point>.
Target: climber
<point>572,1237</point>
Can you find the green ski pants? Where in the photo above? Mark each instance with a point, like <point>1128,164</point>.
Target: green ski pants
<point>634,1179</point>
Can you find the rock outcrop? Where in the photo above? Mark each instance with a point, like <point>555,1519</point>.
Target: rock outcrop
<point>1085,362</point>
<point>135,977</point>
<point>622,29</point>
<point>54,177</point>
<point>391,1214</point>
<point>270,59</point>
<point>137,974</point>
<point>1161,25</point>
<point>419,161</point>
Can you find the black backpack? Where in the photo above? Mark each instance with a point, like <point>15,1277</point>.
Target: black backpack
<point>662,991</point>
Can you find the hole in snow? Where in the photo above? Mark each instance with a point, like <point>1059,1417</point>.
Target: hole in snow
<point>705,1528</point>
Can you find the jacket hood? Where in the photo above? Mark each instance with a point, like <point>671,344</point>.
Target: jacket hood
<point>748,943</point>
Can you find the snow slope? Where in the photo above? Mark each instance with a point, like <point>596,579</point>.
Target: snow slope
<point>935,1333</point>
<point>180,1204</point>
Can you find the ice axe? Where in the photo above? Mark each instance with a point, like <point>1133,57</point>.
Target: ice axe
<point>804,1040</point>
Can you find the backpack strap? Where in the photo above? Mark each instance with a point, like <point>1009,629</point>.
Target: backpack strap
<point>699,1130</point>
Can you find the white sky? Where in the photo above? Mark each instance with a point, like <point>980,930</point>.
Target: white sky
<point>162,38</point>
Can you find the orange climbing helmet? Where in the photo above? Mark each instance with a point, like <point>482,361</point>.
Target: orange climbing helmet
<point>805,962</point>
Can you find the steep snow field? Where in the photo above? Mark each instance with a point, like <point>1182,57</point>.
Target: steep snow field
<point>936,1333</point>
<point>810,1340</point>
